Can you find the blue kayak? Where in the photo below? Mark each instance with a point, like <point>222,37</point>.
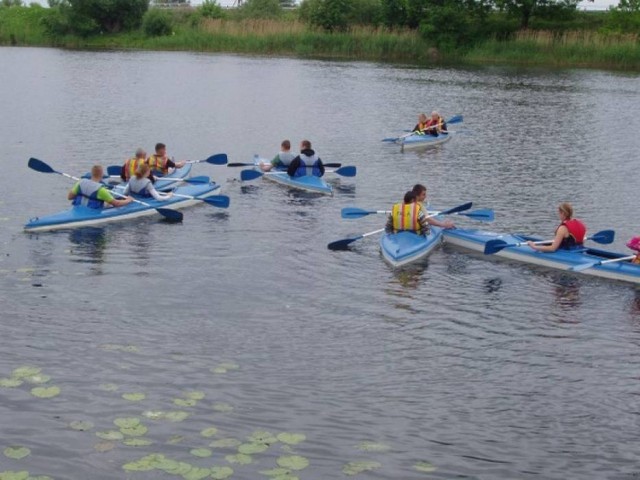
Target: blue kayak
<point>81,216</point>
<point>405,247</point>
<point>414,141</point>
<point>309,183</point>
<point>171,180</point>
<point>560,259</point>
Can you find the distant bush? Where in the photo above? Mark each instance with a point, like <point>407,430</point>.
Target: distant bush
<point>211,9</point>
<point>157,23</point>
<point>267,9</point>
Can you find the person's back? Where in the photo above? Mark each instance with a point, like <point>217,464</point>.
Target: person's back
<point>141,185</point>
<point>577,232</point>
<point>92,193</point>
<point>407,216</point>
<point>306,163</point>
<point>131,165</point>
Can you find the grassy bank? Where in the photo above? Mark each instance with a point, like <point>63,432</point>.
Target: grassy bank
<point>26,26</point>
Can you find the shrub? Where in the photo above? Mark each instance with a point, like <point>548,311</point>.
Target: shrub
<point>261,9</point>
<point>211,9</point>
<point>157,23</point>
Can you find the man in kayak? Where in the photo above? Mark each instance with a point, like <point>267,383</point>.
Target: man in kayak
<point>570,233</point>
<point>420,191</point>
<point>282,159</point>
<point>305,161</point>
<point>91,192</point>
<point>432,126</point>
<point>142,186</point>
<point>131,165</point>
<point>160,163</point>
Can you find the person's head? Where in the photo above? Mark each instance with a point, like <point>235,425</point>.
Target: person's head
<point>634,244</point>
<point>422,118</point>
<point>161,149</point>
<point>285,145</point>
<point>142,171</point>
<point>305,145</point>
<point>435,115</point>
<point>409,197</point>
<point>140,153</point>
<point>420,191</point>
<point>97,172</point>
<point>565,211</point>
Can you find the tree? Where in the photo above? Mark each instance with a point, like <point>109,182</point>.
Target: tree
<point>394,12</point>
<point>525,9</point>
<point>11,3</point>
<point>261,9</point>
<point>111,16</point>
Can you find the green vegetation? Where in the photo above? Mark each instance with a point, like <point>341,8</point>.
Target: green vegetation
<point>412,31</point>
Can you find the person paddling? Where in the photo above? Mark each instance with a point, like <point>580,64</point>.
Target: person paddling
<point>160,163</point>
<point>131,165</point>
<point>570,233</point>
<point>432,126</point>
<point>420,191</point>
<point>92,193</point>
<point>141,185</point>
<point>305,161</point>
<point>634,244</point>
<point>407,216</point>
<point>282,159</point>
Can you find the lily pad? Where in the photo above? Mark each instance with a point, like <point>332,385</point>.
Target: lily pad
<point>197,473</point>
<point>10,475</point>
<point>225,443</point>
<point>10,382</point>
<point>134,397</point>
<point>178,416</point>
<point>293,462</point>
<point>16,452</point>
<point>240,459</point>
<point>137,431</point>
<point>26,371</point>
<point>209,432</point>
<point>141,465</point>
<point>175,439</point>
<point>286,476</point>
<point>222,407</point>
<point>165,464</point>
<point>262,436</point>
<point>110,435</point>
<point>354,468</point>
<point>137,442</point>
<point>154,414</point>
<point>425,467</point>
<point>373,447</point>
<point>37,379</point>
<point>201,452</point>
<point>195,395</point>
<point>104,446</point>
<point>291,438</point>
<point>128,422</point>
<point>221,473</point>
<point>276,472</point>
<point>185,402</point>
<point>181,468</point>
<point>45,392</point>
<point>81,425</point>
<point>109,387</point>
<point>252,448</point>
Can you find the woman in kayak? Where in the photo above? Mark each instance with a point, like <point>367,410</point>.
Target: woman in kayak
<point>570,233</point>
<point>92,193</point>
<point>420,191</point>
<point>141,185</point>
<point>282,159</point>
<point>305,161</point>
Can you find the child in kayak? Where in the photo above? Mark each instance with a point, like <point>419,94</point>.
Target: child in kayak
<point>141,185</point>
<point>634,244</point>
<point>570,233</point>
<point>282,159</point>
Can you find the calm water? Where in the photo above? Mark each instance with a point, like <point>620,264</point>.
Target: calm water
<point>485,369</point>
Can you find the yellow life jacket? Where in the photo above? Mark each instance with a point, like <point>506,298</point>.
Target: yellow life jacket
<point>130,167</point>
<point>158,164</point>
<point>405,217</point>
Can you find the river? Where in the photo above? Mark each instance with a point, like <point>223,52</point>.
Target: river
<point>460,367</point>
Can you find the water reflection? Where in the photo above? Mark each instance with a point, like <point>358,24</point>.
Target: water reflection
<point>88,245</point>
<point>567,298</point>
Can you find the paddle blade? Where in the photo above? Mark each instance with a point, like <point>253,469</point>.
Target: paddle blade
<point>346,171</point>
<point>604,236</point>
<point>332,165</point>
<point>114,170</point>
<point>352,212</point>
<point>170,214</point>
<point>39,166</point>
<point>459,208</point>
<point>217,159</point>
<point>198,179</point>
<point>483,215</point>
<point>247,175</point>
<point>343,244</point>
<point>584,266</point>
<point>220,201</point>
<point>455,119</point>
<point>494,246</point>
<point>240,164</point>
<point>390,139</point>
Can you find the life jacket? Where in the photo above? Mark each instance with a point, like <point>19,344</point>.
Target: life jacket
<point>437,123</point>
<point>130,167</point>
<point>158,164</point>
<point>405,217</point>
<point>577,232</point>
<point>312,162</point>
<point>139,187</point>
<point>88,194</point>
<point>286,158</point>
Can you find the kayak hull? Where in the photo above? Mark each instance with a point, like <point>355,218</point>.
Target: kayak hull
<point>308,183</point>
<point>172,180</point>
<point>81,216</point>
<point>419,141</point>
<point>560,260</point>
<point>402,248</point>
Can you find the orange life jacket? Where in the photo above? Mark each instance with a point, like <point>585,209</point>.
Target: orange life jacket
<point>158,164</point>
<point>130,167</point>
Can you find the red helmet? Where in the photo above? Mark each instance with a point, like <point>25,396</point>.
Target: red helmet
<point>634,244</point>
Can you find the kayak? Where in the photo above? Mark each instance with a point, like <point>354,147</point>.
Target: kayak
<point>309,183</point>
<point>415,141</point>
<point>170,181</point>
<point>560,259</point>
<point>81,216</point>
<point>406,247</point>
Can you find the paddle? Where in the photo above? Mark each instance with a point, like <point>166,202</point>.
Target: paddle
<point>483,215</point>
<point>344,243</point>
<point>243,164</point>
<point>217,159</point>
<point>114,170</point>
<point>247,175</point>
<point>220,201</point>
<point>42,167</point>
<point>193,180</point>
<point>451,121</point>
<point>579,268</point>
<point>494,246</point>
